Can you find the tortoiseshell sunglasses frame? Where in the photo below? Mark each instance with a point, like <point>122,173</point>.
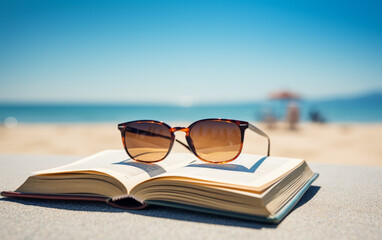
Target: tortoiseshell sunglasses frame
<point>243,125</point>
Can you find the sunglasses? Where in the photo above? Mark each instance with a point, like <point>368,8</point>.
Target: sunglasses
<point>211,140</point>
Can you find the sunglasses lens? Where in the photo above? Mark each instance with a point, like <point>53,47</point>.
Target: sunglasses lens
<point>147,141</point>
<point>215,140</point>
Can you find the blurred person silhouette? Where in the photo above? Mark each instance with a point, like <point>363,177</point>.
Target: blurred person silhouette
<point>316,116</point>
<point>293,115</point>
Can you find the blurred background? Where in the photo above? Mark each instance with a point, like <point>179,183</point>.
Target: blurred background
<point>308,72</point>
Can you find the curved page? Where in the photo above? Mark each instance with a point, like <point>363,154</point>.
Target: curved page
<point>117,164</point>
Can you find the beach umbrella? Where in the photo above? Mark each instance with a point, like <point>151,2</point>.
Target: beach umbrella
<point>280,101</point>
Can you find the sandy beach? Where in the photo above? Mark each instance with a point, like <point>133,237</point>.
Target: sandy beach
<point>354,144</point>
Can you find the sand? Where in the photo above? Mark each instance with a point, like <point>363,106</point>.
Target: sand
<point>354,144</point>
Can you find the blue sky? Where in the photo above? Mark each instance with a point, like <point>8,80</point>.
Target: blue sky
<point>187,51</point>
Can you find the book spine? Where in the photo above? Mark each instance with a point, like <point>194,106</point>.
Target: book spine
<point>127,196</point>
<point>127,202</point>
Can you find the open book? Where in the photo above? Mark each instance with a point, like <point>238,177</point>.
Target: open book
<point>252,187</point>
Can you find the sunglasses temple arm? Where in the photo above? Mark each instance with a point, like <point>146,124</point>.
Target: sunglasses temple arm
<point>260,132</point>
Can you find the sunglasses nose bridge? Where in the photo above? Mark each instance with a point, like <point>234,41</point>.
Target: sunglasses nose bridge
<point>182,129</point>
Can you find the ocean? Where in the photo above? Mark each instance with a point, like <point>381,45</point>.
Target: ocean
<point>331,111</point>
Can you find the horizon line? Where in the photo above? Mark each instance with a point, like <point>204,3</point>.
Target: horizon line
<point>178,103</point>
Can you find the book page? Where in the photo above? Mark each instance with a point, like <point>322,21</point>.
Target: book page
<point>249,171</point>
<point>117,164</point>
